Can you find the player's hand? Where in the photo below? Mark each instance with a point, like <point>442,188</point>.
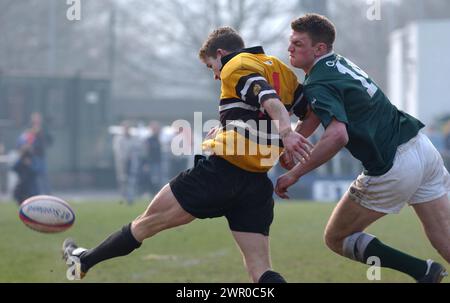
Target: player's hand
<point>283,183</point>
<point>297,145</point>
<point>212,133</point>
<point>287,161</point>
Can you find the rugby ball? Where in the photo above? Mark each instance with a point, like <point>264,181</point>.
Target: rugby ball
<point>47,214</point>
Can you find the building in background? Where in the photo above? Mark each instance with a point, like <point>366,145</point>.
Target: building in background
<point>418,69</point>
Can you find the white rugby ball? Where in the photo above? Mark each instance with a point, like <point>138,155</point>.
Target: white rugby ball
<point>47,214</point>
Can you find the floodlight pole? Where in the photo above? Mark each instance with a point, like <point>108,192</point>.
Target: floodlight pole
<point>51,37</point>
<point>112,40</point>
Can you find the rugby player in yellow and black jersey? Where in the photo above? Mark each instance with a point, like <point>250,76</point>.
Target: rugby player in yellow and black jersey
<point>248,137</point>
<point>256,90</point>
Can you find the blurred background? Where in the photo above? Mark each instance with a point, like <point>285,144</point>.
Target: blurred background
<point>96,85</point>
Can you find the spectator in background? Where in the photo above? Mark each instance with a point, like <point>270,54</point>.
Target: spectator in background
<point>179,162</point>
<point>27,171</point>
<point>153,158</point>
<point>127,151</point>
<point>3,167</point>
<point>39,139</point>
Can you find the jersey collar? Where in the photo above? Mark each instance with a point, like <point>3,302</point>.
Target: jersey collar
<point>332,53</point>
<point>252,50</point>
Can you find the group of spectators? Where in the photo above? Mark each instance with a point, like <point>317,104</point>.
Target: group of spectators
<point>142,161</point>
<point>31,166</point>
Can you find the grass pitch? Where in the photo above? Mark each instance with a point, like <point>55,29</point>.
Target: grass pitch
<point>203,251</point>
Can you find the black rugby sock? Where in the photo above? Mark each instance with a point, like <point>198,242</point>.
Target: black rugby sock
<point>271,277</point>
<point>392,258</point>
<point>120,243</point>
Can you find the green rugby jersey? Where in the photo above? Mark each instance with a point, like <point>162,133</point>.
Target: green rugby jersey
<point>337,88</point>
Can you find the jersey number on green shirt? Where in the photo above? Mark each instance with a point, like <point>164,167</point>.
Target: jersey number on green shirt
<point>358,74</point>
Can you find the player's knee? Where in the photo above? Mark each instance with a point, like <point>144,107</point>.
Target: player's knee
<point>333,241</point>
<point>355,245</point>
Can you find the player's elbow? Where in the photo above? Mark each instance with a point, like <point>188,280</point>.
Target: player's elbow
<point>342,138</point>
<point>338,132</point>
<point>271,105</point>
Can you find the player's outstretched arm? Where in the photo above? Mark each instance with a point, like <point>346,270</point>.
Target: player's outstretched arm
<point>293,142</point>
<point>333,140</point>
<point>308,126</point>
<point>305,128</point>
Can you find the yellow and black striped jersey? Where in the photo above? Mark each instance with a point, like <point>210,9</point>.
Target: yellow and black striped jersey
<point>249,138</point>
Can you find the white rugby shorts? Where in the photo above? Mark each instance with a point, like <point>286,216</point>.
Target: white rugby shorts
<point>417,176</point>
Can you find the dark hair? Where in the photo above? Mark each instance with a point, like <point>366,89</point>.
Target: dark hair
<point>318,27</point>
<point>224,38</point>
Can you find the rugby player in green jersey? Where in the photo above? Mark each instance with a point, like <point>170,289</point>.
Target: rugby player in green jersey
<point>401,165</point>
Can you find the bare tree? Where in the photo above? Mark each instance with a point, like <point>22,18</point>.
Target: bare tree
<point>164,36</point>
<point>37,37</point>
<point>146,47</point>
